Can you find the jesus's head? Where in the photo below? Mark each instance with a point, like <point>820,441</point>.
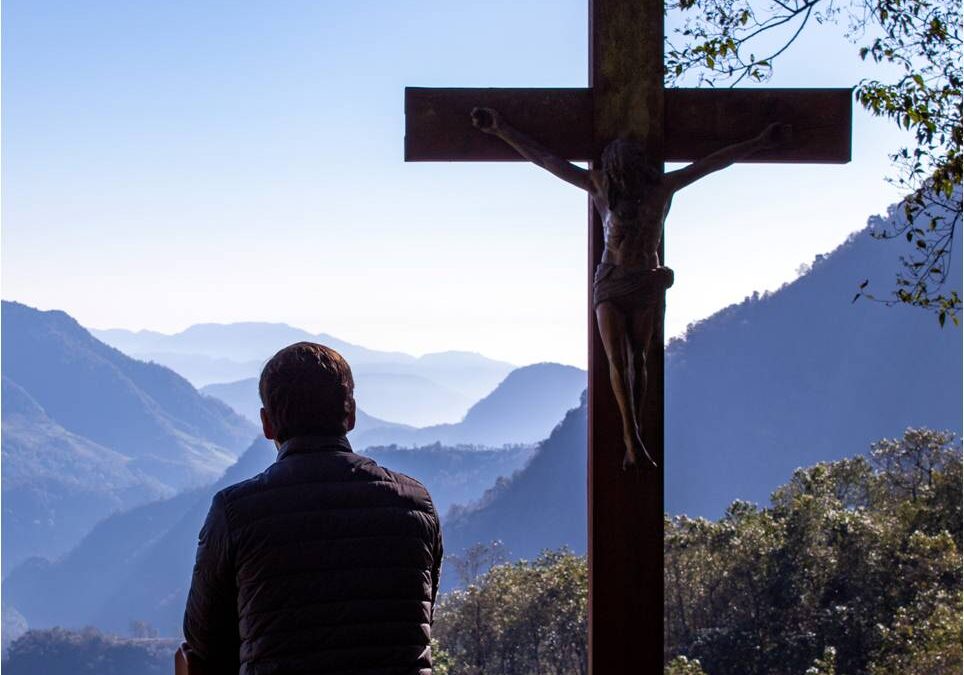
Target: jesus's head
<point>628,173</point>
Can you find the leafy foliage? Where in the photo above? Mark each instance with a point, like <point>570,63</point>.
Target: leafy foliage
<point>61,652</point>
<point>728,41</point>
<point>856,568</point>
<point>523,617</point>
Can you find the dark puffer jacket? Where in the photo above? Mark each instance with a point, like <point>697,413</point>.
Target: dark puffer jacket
<point>324,563</point>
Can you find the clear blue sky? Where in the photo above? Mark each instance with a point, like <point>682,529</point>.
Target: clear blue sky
<point>169,163</point>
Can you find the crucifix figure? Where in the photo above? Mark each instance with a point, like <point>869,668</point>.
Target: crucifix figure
<point>629,284</point>
<point>626,99</point>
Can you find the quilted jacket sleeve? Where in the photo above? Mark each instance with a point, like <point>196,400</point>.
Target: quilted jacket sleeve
<point>211,617</point>
<point>437,565</point>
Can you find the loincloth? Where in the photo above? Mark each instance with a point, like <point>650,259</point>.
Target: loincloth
<point>630,286</point>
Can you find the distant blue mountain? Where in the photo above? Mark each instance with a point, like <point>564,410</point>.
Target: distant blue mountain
<point>522,409</point>
<point>777,382</point>
<point>243,397</point>
<point>88,430</point>
<point>547,390</point>
<point>803,375</point>
<point>390,385</point>
<point>542,506</point>
<point>395,396</point>
<point>243,341</point>
<point>781,380</point>
<point>57,484</point>
<point>137,565</point>
<point>145,411</point>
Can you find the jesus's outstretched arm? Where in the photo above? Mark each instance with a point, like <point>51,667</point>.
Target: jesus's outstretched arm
<point>489,121</point>
<point>771,137</point>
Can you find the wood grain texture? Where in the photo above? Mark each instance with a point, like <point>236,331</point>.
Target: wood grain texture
<point>625,506</point>
<point>697,122</point>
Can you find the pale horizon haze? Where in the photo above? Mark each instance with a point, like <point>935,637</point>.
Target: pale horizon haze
<point>167,164</point>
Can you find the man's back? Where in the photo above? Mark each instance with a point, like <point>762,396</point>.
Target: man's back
<point>324,563</point>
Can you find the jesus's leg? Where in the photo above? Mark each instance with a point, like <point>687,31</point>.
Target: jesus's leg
<point>613,330</point>
<point>641,328</point>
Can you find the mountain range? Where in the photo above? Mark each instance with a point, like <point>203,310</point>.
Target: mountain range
<point>782,380</point>
<point>88,430</point>
<point>243,397</point>
<point>543,506</point>
<point>779,381</point>
<point>136,565</point>
<point>802,375</point>
<point>522,409</point>
<point>420,391</point>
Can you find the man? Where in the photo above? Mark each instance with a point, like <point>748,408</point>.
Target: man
<point>324,563</point>
<point>632,199</point>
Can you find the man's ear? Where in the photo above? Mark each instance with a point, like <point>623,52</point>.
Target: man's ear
<point>350,422</point>
<point>266,426</point>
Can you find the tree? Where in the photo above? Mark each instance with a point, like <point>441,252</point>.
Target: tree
<point>855,568</point>
<point>729,41</point>
<point>518,618</point>
<point>57,651</point>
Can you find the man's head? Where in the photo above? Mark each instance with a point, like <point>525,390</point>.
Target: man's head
<point>306,388</point>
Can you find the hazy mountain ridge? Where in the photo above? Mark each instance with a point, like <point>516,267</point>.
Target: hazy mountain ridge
<point>787,379</point>
<point>803,375</point>
<point>430,389</point>
<point>243,397</point>
<point>137,565</point>
<point>452,473</point>
<point>542,506</point>
<point>88,430</point>
<point>241,341</point>
<point>56,484</point>
<point>142,410</point>
<point>523,408</point>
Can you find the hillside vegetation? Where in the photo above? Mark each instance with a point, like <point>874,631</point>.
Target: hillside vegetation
<point>855,567</point>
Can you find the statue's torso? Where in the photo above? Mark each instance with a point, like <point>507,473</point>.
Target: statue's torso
<point>630,239</point>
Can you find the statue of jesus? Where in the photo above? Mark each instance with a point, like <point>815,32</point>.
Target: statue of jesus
<point>629,284</point>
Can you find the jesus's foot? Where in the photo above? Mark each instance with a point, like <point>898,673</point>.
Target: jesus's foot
<point>637,455</point>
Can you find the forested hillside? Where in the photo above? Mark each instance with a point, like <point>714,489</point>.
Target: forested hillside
<point>136,565</point>
<point>88,431</point>
<point>541,507</point>
<point>803,375</point>
<point>855,567</point>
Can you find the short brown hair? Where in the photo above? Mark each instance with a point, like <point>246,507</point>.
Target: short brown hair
<point>307,388</point>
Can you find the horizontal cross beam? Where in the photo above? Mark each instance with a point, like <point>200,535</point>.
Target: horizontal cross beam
<point>697,122</point>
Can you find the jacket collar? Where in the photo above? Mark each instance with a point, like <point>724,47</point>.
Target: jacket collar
<point>300,444</point>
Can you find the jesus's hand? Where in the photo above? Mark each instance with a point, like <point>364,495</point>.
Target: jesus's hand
<point>486,119</point>
<point>776,135</point>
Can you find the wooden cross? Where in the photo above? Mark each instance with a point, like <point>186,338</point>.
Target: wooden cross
<point>626,97</point>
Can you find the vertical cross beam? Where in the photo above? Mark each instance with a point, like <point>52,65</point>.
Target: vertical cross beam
<point>625,508</point>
